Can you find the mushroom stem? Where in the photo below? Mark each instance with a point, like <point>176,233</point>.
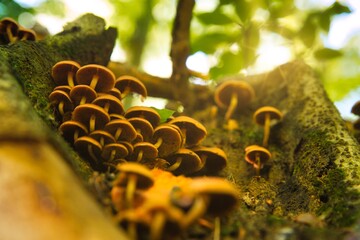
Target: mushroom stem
<point>12,38</point>
<point>131,229</point>
<point>61,108</point>
<point>140,156</point>
<point>203,158</point>
<point>92,123</point>
<point>157,225</point>
<point>232,106</point>
<point>266,129</point>
<point>258,162</point>
<point>130,190</point>
<point>106,107</point>
<point>217,228</point>
<point>92,155</point>
<point>117,133</point>
<point>158,142</point>
<point>197,209</point>
<point>94,81</point>
<point>70,78</point>
<point>82,100</point>
<point>125,92</point>
<point>175,165</point>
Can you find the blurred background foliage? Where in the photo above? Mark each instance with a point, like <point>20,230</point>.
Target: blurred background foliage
<point>228,37</point>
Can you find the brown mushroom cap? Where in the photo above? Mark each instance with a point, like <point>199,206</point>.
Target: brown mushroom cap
<point>90,149</point>
<point>145,178</point>
<point>194,132</point>
<point>64,88</point>
<point>251,153</point>
<point>148,113</point>
<point>223,93</point>
<point>260,114</point>
<point>167,139</point>
<point>356,108</point>
<point>121,129</point>
<point>9,29</point>
<point>64,72</point>
<point>142,127</point>
<point>115,92</point>
<point>98,77</point>
<point>222,196</point>
<point>62,100</point>
<point>72,130</point>
<point>129,84</point>
<point>81,94</point>
<point>143,151</point>
<point>113,151</point>
<point>356,124</point>
<point>91,115</point>
<point>213,159</point>
<point>103,137</point>
<point>110,103</point>
<point>183,161</point>
<point>26,34</point>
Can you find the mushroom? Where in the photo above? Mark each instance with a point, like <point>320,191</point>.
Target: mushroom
<point>263,117</point>
<point>62,100</point>
<point>109,103</point>
<point>212,195</point>
<point>129,84</point>
<point>232,95</point>
<point>183,161</point>
<point>142,127</point>
<point>193,131</point>
<point>133,176</point>
<point>213,159</point>
<point>356,108</point>
<point>72,130</point>
<point>167,139</point>
<point>81,94</point>
<point>143,151</point>
<point>91,115</point>
<point>64,72</point>
<point>115,92</point>
<point>9,28</point>
<point>121,129</point>
<point>147,113</point>
<point>98,77</point>
<point>257,156</point>
<point>103,137</point>
<point>90,149</point>
<point>26,34</point>
<point>113,151</point>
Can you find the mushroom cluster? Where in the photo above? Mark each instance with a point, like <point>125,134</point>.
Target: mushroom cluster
<point>155,204</point>
<point>11,31</point>
<point>88,100</point>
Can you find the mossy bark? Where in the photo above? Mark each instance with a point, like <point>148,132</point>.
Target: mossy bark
<point>314,167</point>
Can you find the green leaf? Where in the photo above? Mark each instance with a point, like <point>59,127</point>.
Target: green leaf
<point>243,9</point>
<point>229,63</point>
<point>164,113</point>
<point>308,31</point>
<point>338,8</point>
<point>327,53</point>
<point>324,21</point>
<point>209,42</point>
<point>215,18</point>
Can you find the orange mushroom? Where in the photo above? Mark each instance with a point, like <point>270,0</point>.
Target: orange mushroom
<point>257,156</point>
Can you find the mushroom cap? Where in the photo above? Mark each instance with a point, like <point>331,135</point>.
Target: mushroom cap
<point>259,115</point>
<point>115,92</point>
<point>145,179</point>
<point>128,132</point>
<point>128,146</point>
<point>128,83</point>
<point>115,105</point>
<point>190,161</point>
<point>143,127</point>
<point>216,159</point>
<point>80,91</point>
<point>58,96</point>
<point>252,151</point>
<point>221,194</point>
<point>83,113</point>
<point>193,130</point>
<point>69,128</point>
<point>115,116</point>
<point>148,113</point>
<point>26,34</point>
<point>356,124</point>
<point>356,108</point>
<point>64,88</point>
<point>103,137</point>
<point>106,80</point>
<point>223,93</point>
<point>60,70</point>
<point>120,151</point>
<point>171,139</point>
<point>4,24</point>
<point>149,151</point>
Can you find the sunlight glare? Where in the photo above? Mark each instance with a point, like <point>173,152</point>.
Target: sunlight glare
<point>198,62</point>
<point>160,66</point>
